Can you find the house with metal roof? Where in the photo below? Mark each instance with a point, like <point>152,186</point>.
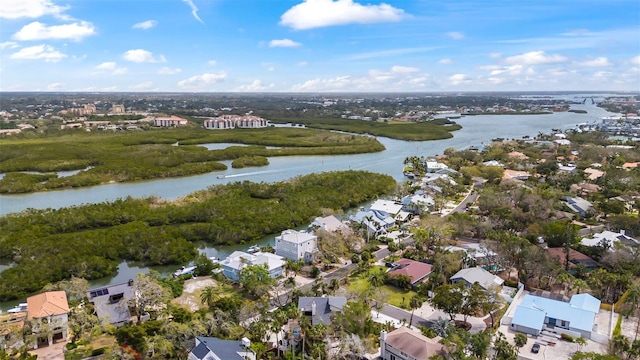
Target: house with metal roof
<point>111,303</point>
<point>609,239</point>
<point>575,318</point>
<point>321,310</point>
<point>478,275</point>
<point>208,348</point>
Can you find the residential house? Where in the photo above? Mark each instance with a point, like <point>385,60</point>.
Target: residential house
<point>331,224</point>
<point>11,326</point>
<point>609,239</point>
<point>209,348</point>
<point>575,258</point>
<point>517,155</point>
<point>112,303</point>
<point>630,165</point>
<point>49,315</point>
<point>433,166</point>
<point>567,169</point>
<point>406,344</point>
<point>321,310</point>
<point>515,175</point>
<point>386,207</point>
<point>576,317</point>
<point>493,163</point>
<point>297,245</point>
<point>473,275</point>
<point>416,270</point>
<point>170,121</point>
<point>234,263</point>
<point>579,205</point>
<point>376,223</point>
<point>417,203</point>
<point>593,174</point>
<point>584,188</point>
<point>479,254</point>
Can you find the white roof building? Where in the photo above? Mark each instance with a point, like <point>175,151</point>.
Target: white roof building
<point>386,206</point>
<point>609,239</point>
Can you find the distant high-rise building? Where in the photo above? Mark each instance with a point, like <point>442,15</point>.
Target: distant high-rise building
<point>117,109</point>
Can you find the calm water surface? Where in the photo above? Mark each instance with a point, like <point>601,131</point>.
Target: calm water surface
<point>476,130</point>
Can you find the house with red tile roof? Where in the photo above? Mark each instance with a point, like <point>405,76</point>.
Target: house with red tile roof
<point>48,313</point>
<point>416,270</point>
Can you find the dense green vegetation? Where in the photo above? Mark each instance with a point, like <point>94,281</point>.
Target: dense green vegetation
<point>90,240</point>
<point>130,156</point>
<point>411,131</point>
<point>249,161</point>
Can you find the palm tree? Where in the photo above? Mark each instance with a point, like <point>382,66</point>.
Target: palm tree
<point>208,296</point>
<point>415,303</point>
<point>376,278</point>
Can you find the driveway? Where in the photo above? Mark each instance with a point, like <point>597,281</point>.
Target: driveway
<point>53,352</point>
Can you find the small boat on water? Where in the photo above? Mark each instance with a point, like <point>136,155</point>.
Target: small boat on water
<point>22,307</point>
<point>184,270</point>
<point>221,176</point>
<point>253,249</point>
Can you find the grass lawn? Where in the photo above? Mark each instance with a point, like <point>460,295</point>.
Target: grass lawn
<point>397,297</point>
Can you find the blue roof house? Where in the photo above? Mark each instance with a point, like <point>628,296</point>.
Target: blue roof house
<point>575,318</point>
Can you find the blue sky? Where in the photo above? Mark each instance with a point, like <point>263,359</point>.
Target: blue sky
<point>319,45</point>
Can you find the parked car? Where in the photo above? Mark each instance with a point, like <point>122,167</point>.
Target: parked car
<point>535,348</point>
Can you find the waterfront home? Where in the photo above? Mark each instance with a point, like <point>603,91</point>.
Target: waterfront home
<point>473,275</point>
<point>376,223</point>
<point>49,316</point>
<point>417,203</point>
<point>112,303</point>
<point>331,224</point>
<point>576,317</point>
<point>386,207</point>
<point>321,310</point>
<point>297,245</point>
<point>232,266</point>
<point>406,344</point>
<point>416,270</point>
<point>11,327</point>
<point>209,348</point>
<point>170,121</point>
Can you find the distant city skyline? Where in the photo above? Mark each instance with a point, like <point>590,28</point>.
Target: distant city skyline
<point>319,45</point>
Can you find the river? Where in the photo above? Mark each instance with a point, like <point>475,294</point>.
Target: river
<point>476,130</point>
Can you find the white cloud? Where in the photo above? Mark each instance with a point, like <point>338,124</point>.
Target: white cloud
<point>8,45</point>
<point>303,63</point>
<point>495,55</point>
<point>120,71</point>
<point>404,69</point>
<point>145,25</point>
<point>392,52</point>
<point>256,85</point>
<point>15,9</point>
<point>284,43</point>
<point>194,9</point>
<point>320,13</point>
<point>534,58</point>
<point>38,31</point>
<point>211,62</point>
<point>201,82</point>
<point>635,60</point>
<point>142,56</point>
<point>455,35</point>
<point>397,78</point>
<point>459,79</point>
<point>109,65</point>
<point>143,86</point>
<point>46,52</point>
<point>169,71</point>
<point>445,61</point>
<point>55,86</point>
<point>597,62</point>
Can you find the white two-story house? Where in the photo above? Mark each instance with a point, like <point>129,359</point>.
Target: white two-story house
<point>297,245</point>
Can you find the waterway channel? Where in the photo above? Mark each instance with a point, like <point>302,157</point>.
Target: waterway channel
<point>476,130</point>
